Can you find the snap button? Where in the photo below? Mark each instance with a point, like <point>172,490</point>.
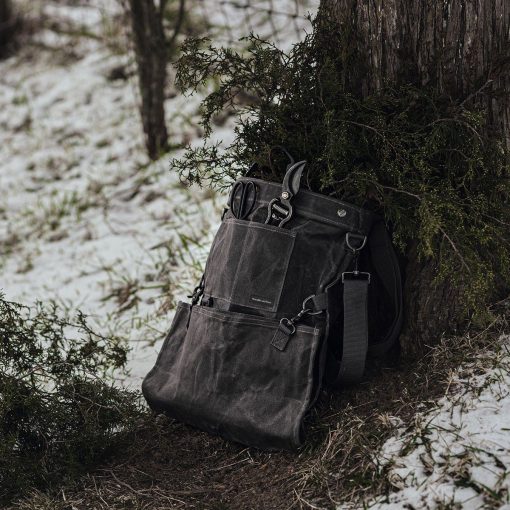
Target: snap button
<point>341,213</point>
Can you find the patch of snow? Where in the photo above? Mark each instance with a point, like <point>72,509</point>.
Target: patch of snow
<point>88,221</point>
<point>284,22</point>
<point>458,455</point>
<point>85,218</point>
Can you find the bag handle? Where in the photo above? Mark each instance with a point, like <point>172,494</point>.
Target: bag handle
<point>285,151</point>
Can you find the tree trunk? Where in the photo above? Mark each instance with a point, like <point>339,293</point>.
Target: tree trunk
<point>9,22</point>
<point>151,58</point>
<point>460,47</point>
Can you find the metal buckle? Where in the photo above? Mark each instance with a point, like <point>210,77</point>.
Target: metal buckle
<point>198,291</point>
<point>357,274</point>
<point>283,216</point>
<point>288,325</point>
<point>355,254</point>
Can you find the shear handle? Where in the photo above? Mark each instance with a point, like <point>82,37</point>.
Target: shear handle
<point>292,180</point>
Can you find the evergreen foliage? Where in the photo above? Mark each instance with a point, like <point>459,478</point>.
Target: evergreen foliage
<point>427,162</point>
<point>58,414</point>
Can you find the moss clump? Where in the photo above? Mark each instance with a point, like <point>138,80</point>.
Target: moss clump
<point>58,414</point>
<point>428,162</point>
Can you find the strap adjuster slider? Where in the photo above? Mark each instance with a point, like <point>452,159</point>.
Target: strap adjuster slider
<point>357,274</point>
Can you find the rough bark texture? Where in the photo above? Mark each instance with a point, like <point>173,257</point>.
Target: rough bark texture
<point>462,47</point>
<point>151,57</point>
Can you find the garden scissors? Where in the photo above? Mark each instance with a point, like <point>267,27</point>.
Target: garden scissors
<point>279,210</point>
<point>243,199</point>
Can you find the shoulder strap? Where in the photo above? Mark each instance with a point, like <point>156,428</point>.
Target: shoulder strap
<point>355,297</point>
<point>385,263</point>
<point>355,337</point>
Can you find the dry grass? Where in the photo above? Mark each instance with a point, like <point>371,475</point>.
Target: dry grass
<point>171,465</point>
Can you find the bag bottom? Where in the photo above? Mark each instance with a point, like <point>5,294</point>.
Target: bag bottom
<point>218,371</point>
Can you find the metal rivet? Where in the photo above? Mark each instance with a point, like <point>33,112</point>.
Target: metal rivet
<point>285,195</point>
<point>341,213</point>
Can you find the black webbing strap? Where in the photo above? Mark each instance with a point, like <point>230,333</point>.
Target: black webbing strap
<point>355,335</point>
<point>355,299</point>
<point>385,264</point>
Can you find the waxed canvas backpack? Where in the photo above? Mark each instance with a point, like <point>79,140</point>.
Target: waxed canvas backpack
<point>298,289</point>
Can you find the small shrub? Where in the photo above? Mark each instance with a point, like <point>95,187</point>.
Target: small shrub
<point>59,415</point>
<point>428,162</point>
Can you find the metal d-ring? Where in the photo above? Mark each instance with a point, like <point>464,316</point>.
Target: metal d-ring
<point>309,309</point>
<point>348,242</point>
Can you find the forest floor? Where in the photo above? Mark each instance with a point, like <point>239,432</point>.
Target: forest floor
<point>86,220</point>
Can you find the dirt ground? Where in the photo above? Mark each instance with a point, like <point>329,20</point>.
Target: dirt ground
<point>171,465</point>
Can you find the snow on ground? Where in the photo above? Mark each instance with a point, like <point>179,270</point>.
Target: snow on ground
<point>458,454</point>
<point>87,220</point>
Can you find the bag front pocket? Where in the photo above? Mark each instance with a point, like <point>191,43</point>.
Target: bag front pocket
<point>224,376</point>
<point>248,264</point>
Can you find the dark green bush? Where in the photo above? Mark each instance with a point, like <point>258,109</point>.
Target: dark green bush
<point>59,415</point>
<point>426,161</point>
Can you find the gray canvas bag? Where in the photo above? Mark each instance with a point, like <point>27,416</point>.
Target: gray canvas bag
<point>298,289</point>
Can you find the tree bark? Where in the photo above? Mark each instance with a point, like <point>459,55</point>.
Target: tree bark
<point>9,23</point>
<point>460,47</point>
<point>151,57</point>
